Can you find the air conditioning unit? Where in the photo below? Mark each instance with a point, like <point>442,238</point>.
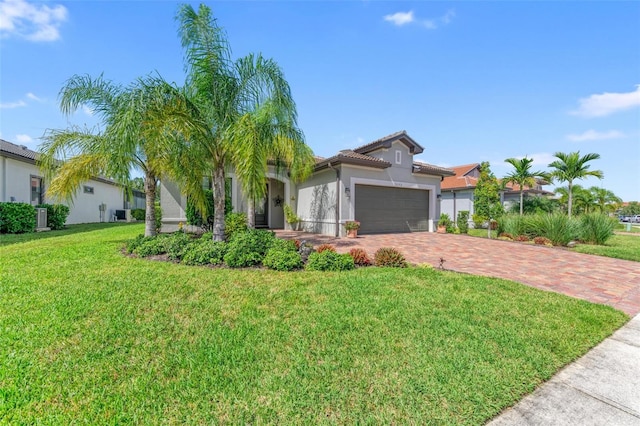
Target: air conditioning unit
<point>41,218</point>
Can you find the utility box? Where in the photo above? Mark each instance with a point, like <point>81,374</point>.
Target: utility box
<point>41,219</point>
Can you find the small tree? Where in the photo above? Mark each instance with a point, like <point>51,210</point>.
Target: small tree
<point>569,167</point>
<point>486,196</point>
<point>523,176</point>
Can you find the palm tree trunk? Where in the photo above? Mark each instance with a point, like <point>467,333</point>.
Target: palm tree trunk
<point>570,206</point>
<point>251,213</point>
<point>218,203</point>
<point>521,200</point>
<point>150,197</point>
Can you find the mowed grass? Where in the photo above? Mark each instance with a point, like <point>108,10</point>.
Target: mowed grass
<point>90,336</point>
<point>619,246</point>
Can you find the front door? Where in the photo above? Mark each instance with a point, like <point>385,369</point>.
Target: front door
<point>262,211</point>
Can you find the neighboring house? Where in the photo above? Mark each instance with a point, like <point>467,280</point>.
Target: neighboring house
<point>457,191</point>
<point>21,180</point>
<point>378,184</point>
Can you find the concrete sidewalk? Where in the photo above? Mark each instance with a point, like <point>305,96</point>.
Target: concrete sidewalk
<point>601,388</point>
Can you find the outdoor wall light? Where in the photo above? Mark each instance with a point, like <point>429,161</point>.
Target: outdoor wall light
<point>347,192</point>
<point>439,197</point>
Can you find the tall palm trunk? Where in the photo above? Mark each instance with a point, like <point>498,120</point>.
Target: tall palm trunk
<point>251,213</point>
<point>521,201</point>
<point>570,200</point>
<point>150,195</point>
<point>218,203</point>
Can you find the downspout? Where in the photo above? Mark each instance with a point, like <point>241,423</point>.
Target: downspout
<point>337,233</point>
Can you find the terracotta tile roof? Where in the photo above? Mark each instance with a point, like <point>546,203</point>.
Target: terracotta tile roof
<point>18,151</point>
<point>385,142</point>
<point>430,169</point>
<point>460,180</point>
<point>348,156</point>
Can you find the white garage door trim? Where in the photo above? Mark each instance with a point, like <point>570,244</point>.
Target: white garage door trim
<point>406,185</point>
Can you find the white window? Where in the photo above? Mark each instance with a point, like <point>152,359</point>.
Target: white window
<point>398,157</point>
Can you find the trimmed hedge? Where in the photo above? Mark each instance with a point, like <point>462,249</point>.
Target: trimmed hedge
<point>17,218</point>
<point>138,214</point>
<point>329,261</point>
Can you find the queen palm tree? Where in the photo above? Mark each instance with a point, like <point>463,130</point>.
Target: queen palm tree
<point>130,138</point>
<point>246,110</point>
<point>523,176</point>
<point>571,166</point>
<point>605,199</point>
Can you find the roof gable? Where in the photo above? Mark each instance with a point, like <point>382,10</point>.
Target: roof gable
<point>461,180</point>
<point>387,141</point>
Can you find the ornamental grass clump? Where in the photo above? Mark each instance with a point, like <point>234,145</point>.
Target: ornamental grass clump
<point>390,257</point>
<point>360,257</point>
<point>557,227</point>
<point>596,228</point>
<point>542,241</point>
<point>325,247</point>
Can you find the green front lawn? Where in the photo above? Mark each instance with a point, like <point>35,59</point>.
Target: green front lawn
<point>90,336</point>
<point>625,247</point>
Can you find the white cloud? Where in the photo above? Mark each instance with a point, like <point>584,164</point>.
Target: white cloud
<point>34,97</point>
<point>35,22</point>
<point>604,104</point>
<point>87,110</point>
<point>403,18</point>
<point>594,135</point>
<point>400,18</point>
<point>24,138</point>
<point>10,105</point>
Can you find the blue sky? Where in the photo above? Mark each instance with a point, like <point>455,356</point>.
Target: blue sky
<point>470,81</point>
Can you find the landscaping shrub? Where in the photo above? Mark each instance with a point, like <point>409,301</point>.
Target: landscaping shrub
<point>283,256</point>
<point>138,214</point>
<point>177,245</point>
<point>557,227</point>
<point>446,221</point>
<point>152,246</point>
<point>56,215</point>
<point>203,252</point>
<point>360,257</point>
<point>17,218</point>
<point>479,221</point>
<point>542,241</point>
<point>596,228</point>
<point>522,238</point>
<point>511,225</point>
<point>325,247</point>
<point>329,261</point>
<point>248,248</point>
<point>136,242</point>
<point>388,256</point>
<point>505,236</point>
<point>234,223</point>
<point>463,221</point>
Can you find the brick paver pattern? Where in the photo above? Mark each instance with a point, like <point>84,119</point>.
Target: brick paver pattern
<point>599,279</point>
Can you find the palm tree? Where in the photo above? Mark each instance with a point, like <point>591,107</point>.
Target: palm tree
<point>523,176</point>
<point>132,138</point>
<point>605,199</point>
<point>246,111</point>
<point>569,167</point>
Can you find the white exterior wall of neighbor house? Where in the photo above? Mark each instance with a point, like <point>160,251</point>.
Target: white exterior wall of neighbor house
<point>453,202</point>
<point>15,181</point>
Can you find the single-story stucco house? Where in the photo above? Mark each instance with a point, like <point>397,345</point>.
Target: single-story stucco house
<point>457,191</point>
<point>21,180</point>
<point>378,184</point>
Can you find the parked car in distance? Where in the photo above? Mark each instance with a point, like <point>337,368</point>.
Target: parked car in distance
<point>634,219</point>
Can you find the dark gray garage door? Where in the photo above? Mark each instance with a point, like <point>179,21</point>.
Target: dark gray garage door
<point>385,209</point>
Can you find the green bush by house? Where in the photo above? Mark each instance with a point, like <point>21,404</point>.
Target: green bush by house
<point>17,218</point>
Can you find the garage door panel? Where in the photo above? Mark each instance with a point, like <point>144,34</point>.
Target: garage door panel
<point>388,209</point>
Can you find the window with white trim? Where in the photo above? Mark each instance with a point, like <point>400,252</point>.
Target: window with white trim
<point>398,157</point>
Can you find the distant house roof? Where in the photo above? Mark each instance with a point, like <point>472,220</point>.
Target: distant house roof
<point>358,156</point>
<point>461,178</point>
<point>19,152</point>
<point>22,153</point>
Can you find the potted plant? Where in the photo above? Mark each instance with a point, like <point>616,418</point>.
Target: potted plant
<point>443,223</point>
<point>352,227</point>
<point>291,218</point>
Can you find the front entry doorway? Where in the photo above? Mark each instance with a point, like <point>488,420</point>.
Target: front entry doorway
<point>262,211</point>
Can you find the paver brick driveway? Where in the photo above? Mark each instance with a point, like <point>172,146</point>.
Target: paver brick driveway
<point>613,282</point>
